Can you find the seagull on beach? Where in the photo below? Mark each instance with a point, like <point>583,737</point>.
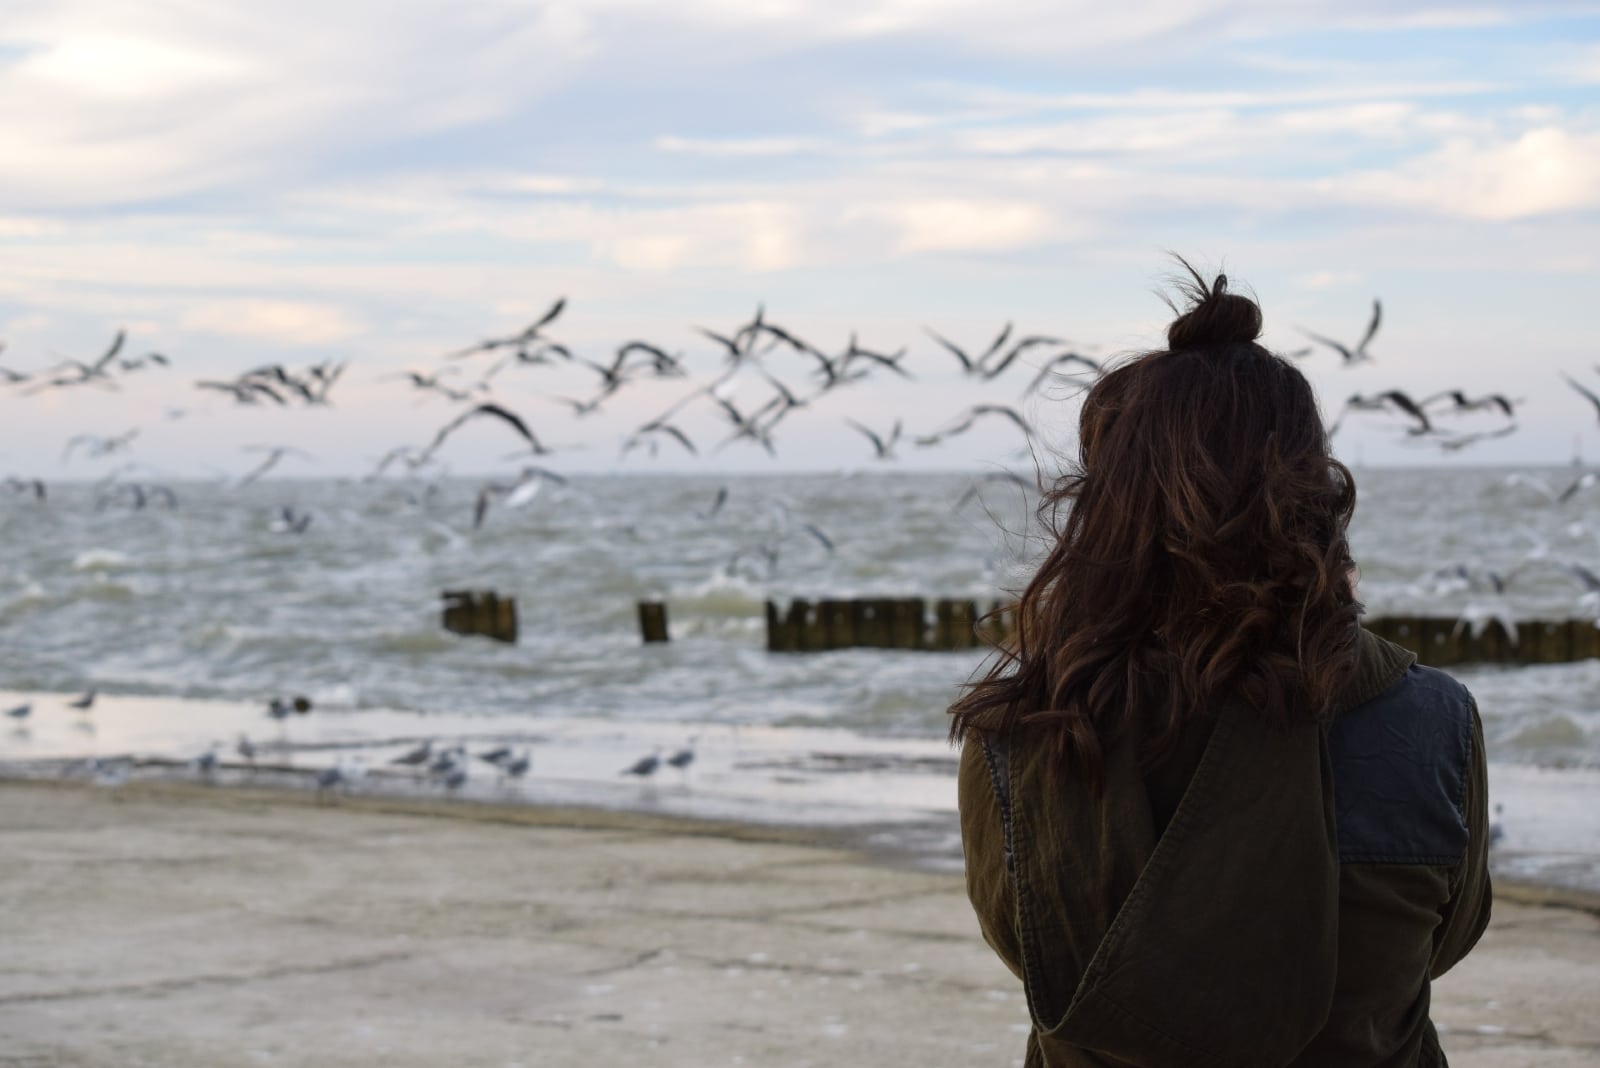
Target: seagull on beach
<point>415,758</point>
<point>20,713</point>
<point>685,756</point>
<point>518,765</point>
<point>645,766</point>
<point>84,703</point>
<point>205,765</point>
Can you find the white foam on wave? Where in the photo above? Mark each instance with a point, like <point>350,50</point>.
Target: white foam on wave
<point>101,560</point>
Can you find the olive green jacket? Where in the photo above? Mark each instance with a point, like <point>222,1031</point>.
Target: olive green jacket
<point>1267,897</point>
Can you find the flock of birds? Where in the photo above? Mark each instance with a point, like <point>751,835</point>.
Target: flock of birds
<point>789,374</point>
<point>445,766</point>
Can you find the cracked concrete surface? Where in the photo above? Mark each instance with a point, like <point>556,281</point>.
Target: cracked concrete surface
<point>177,928</point>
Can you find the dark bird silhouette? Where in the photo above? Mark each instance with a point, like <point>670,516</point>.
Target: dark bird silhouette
<point>1460,402</point>
<point>889,363</point>
<point>971,416</point>
<point>716,505</point>
<point>1588,394</point>
<point>415,758</point>
<point>97,446</point>
<point>275,453</point>
<point>1033,341</point>
<point>520,341</point>
<point>27,485</point>
<point>431,383</point>
<point>973,365</point>
<point>644,767</point>
<point>513,494</point>
<point>495,411</point>
<point>647,435</point>
<point>1359,353</point>
<point>1392,398</point>
<point>84,703</point>
<point>883,445</point>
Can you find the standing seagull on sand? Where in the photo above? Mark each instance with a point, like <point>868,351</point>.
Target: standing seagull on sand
<point>685,756</point>
<point>84,703</point>
<point>646,766</point>
<point>20,713</point>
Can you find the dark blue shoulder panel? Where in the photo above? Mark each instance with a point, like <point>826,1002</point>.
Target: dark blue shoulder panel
<point>1400,767</point>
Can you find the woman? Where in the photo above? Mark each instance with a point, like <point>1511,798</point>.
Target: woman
<point>1207,819</point>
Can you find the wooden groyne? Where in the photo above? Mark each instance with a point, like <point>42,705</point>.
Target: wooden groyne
<point>884,623</point>
<point>481,612</point>
<point>1444,641</point>
<point>806,626</point>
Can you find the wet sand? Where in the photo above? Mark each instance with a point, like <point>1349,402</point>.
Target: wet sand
<point>173,925</point>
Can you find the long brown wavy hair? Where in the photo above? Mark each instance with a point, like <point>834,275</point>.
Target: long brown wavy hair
<point>1200,550</point>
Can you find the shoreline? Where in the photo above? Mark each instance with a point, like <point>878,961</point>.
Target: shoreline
<point>894,844</point>
<point>169,923</point>
<point>891,791</point>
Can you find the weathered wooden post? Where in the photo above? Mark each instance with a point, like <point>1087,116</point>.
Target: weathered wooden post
<point>653,621</point>
<point>871,623</point>
<point>953,624</point>
<point>1406,633</point>
<point>1441,643</point>
<point>1585,639</point>
<point>481,612</point>
<point>998,623</point>
<point>1493,645</point>
<point>838,623</point>
<point>1546,642</point>
<point>781,637</point>
<point>810,635</point>
<point>907,624</point>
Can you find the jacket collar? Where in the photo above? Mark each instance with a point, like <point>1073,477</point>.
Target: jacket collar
<point>1379,665</point>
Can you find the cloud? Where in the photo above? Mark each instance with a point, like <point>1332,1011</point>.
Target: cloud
<point>749,146</point>
<point>291,322</point>
<point>1542,171</point>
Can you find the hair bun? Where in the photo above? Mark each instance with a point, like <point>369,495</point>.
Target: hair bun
<point>1215,317</point>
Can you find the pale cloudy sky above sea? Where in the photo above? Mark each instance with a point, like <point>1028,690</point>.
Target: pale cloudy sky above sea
<point>382,182</point>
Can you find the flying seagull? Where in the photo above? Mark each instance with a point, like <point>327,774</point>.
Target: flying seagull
<point>1359,353</point>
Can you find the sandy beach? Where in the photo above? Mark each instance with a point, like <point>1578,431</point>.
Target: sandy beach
<point>171,924</point>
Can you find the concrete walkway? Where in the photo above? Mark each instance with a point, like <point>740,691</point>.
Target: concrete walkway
<point>173,926</point>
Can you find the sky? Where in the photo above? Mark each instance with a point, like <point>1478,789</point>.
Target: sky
<point>383,183</point>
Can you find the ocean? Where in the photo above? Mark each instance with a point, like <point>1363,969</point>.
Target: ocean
<point>195,616</point>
